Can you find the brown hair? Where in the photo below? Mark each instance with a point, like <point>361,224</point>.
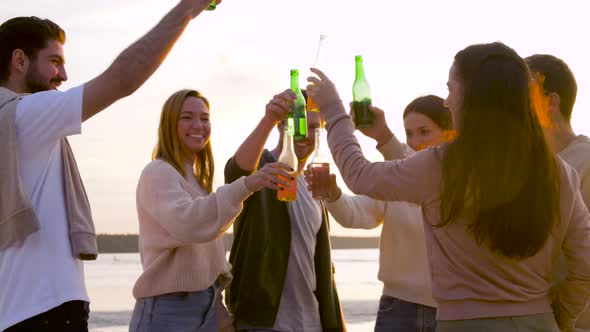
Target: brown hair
<point>29,34</point>
<point>432,107</point>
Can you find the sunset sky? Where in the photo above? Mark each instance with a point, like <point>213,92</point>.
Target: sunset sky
<point>240,55</point>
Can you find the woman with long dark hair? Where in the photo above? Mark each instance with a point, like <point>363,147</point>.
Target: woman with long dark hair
<point>498,206</point>
<point>406,304</point>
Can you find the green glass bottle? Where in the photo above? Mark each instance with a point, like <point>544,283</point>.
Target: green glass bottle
<point>361,95</point>
<point>212,5</point>
<point>297,121</point>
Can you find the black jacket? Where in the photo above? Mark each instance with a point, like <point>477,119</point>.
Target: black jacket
<point>260,254</point>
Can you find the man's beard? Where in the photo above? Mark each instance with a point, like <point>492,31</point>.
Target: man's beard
<point>34,82</point>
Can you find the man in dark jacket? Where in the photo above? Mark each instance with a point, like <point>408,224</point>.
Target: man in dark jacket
<point>283,272</point>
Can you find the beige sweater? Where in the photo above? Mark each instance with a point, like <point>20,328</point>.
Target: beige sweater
<point>17,216</point>
<point>403,262</point>
<point>577,154</point>
<point>180,230</point>
<point>468,280</point>
<point>180,233</point>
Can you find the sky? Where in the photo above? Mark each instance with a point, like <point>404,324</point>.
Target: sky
<point>240,55</point>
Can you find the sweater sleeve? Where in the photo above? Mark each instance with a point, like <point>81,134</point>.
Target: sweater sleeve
<point>357,211</point>
<point>188,219</point>
<point>574,293</point>
<point>585,188</point>
<point>415,179</point>
<point>394,149</point>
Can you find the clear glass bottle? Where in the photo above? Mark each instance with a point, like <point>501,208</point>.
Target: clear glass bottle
<point>320,169</point>
<point>288,157</point>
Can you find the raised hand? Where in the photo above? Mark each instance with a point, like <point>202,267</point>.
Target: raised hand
<point>197,6</point>
<point>279,106</point>
<point>333,191</point>
<point>321,90</point>
<point>269,176</point>
<point>379,131</point>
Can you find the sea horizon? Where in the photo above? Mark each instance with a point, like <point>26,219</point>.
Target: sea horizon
<point>129,243</point>
<point>110,280</point>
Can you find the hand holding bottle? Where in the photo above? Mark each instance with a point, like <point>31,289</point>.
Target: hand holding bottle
<point>288,157</point>
<point>279,107</point>
<point>197,6</point>
<point>322,90</point>
<point>328,191</point>
<point>271,176</point>
<point>378,130</point>
<point>213,5</point>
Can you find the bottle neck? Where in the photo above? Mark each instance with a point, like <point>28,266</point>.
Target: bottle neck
<point>318,156</point>
<point>295,83</point>
<point>318,132</point>
<point>360,71</point>
<point>287,142</point>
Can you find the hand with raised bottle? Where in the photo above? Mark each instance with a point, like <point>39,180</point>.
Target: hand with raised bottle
<point>378,130</point>
<point>321,89</point>
<point>270,176</point>
<point>279,107</point>
<point>197,6</point>
<point>328,192</point>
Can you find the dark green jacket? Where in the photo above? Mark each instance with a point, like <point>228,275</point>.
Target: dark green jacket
<point>260,254</point>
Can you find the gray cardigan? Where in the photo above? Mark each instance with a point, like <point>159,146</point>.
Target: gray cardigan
<point>17,216</point>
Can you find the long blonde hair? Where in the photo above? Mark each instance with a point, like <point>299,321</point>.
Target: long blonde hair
<point>169,147</point>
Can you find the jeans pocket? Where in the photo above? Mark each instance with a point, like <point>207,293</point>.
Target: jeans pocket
<point>137,317</point>
<point>209,312</point>
<point>181,311</point>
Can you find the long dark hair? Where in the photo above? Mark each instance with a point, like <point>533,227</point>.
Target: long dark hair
<point>499,173</point>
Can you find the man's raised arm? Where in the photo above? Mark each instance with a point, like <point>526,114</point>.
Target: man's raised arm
<point>140,60</point>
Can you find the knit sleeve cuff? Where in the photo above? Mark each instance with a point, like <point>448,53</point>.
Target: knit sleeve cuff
<point>333,112</point>
<point>237,191</point>
<point>336,205</point>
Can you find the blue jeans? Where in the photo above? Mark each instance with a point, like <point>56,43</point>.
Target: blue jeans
<point>396,315</point>
<point>176,312</point>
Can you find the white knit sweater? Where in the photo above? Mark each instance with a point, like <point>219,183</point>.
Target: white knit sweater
<point>180,229</point>
<point>403,262</point>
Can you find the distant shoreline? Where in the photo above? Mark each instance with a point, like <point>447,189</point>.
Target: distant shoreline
<point>128,243</point>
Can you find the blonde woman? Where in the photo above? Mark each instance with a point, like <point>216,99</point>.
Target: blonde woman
<point>181,221</point>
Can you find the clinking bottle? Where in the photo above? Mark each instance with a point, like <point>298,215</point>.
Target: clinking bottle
<point>288,157</point>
